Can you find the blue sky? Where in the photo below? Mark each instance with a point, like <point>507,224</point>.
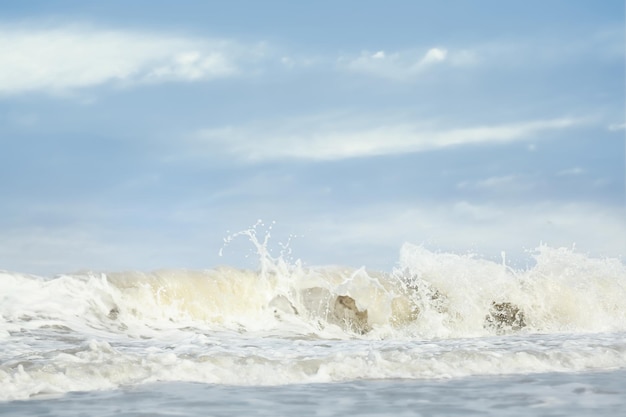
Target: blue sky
<point>139,135</point>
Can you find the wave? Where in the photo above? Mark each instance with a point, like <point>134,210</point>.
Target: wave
<point>435,315</point>
<point>428,295</point>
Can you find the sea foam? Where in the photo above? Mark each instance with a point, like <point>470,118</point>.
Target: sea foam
<point>436,315</point>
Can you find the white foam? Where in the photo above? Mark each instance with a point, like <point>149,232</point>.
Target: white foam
<point>285,323</point>
<point>266,361</point>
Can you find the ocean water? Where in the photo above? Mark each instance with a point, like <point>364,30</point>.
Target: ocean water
<point>441,333</point>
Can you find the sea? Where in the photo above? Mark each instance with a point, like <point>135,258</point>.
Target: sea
<point>439,334</point>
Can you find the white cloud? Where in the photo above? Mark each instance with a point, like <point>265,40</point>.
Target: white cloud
<point>71,57</point>
<point>463,226</point>
<point>510,54</point>
<point>398,65</point>
<point>325,141</point>
<point>193,66</point>
<point>432,56</point>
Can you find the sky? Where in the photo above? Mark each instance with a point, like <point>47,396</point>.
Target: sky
<point>141,135</point>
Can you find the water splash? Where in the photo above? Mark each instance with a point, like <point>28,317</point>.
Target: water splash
<point>434,315</point>
<point>428,295</point>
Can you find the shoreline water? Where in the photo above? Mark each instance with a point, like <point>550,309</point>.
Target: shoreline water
<point>547,394</point>
<point>439,318</point>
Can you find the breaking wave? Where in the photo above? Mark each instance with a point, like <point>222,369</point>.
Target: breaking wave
<point>428,295</point>
<point>434,315</point>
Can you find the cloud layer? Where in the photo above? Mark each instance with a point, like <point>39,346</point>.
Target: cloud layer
<point>396,65</point>
<point>72,57</point>
<point>483,228</point>
<point>257,143</point>
<point>76,56</point>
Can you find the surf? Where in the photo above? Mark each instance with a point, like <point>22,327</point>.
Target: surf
<point>428,295</point>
